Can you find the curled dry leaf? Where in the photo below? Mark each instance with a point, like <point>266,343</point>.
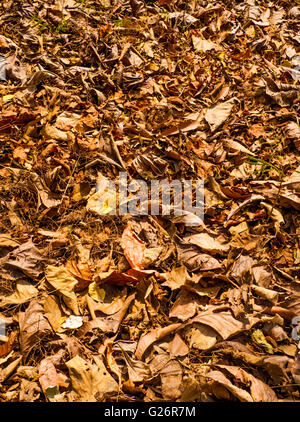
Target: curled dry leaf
<point>148,339</point>
<point>268,294</point>
<point>108,324</point>
<point>282,97</point>
<point>207,243</point>
<point>185,306</point>
<point>110,302</point>
<point>48,378</point>
<point>221,379</point>
<point>7,241</point>
<point>133,248</point>
<point>137,371</point>
<point>237,147</point>
<point>293,181</point>
<point>259,391</point>
<point>242,269</point>
<point>224,323</point>
<point>293,132</point>
<point>183,127</point>
<point>117,278</point>
<point>148,165</point>
<point>262,277</point>
<point>9,345</point>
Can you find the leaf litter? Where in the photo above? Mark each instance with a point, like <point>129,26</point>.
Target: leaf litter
<point>145,308</point>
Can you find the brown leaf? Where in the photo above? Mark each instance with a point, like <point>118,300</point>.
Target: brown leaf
<point>91,381</point>
<point>8,346</point>
<point>218,114</point>
<point>33,327</point>
<point>53,312</point>
<point>108,324</point>
<point>178,347</point>
<point>63,282</point>
<point>242,269</point>
<point>20,154</point>
<point>224,323</point>
<point>260,391</point>
<point>222,380</point>
<point>191,256</point>
<point>133,248</point>
<point>117,278</point>
<point>171,379</point>
<point>200,336</point>
<point>186,126</point>
<point>207,243</point>
<point>24,292</point>
<point>236,147</point>
<point>146,340</point>
<point>81,272</point>
<point>204,45</point>
<point>280,96</point>
<point>293,132</point>
<point>176,278</point>
<point>28,259</point>
<point>185,306</point>
<point>149,164</point>
<point>137,371</point>
<point>48,376</point>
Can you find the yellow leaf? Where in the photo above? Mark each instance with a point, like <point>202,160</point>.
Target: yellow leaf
<point>96,293</point>
<point>250,31</point>
<point>62,320</point>
<point>8,97</point>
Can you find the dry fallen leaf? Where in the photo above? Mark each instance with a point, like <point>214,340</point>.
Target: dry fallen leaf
<point>91,380</point>
<point>133,248</point>
<point>207,243</point>
<point>223,323</point>
<point>33,327</point>
<point>218,114</point>
<point>176,278</point>
<point>28,259</point>
<point>24,292</point>
<point>171,379</point>
<point>204,45</point>
<point>148,339</point>
<point>259,391</point>
<point>122,298</point>
<point>63,283</point>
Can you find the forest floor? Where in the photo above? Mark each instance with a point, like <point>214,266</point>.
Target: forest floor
<point>102,307</point>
